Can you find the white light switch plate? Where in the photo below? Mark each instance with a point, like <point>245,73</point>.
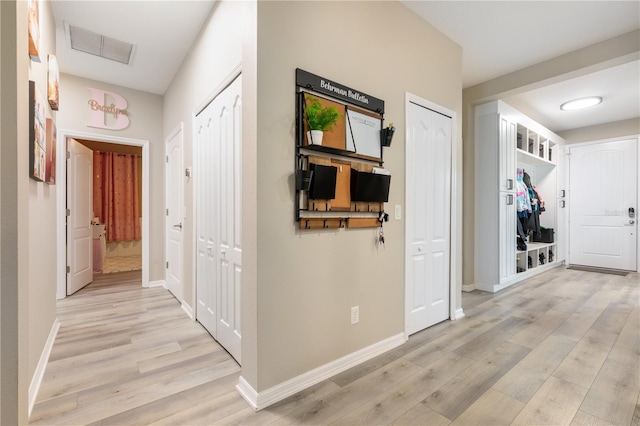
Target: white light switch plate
<point>398,212</point>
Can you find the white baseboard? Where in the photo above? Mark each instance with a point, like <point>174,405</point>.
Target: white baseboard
<point>468,287</point>
<point>459,313</point>
<point>158,283</point>
<point>188,309</point>
<point>270,396</point>
<point>36,380</point>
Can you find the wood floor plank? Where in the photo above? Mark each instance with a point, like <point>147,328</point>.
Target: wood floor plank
<point>629,337</point>
<point>527,376</point>
<point>613,318</point>
<point>539,329</point>
<point>421,414</point>
<point>584,362</point>
<point>492,408</point>
<point>331,407</point>
<point>391,404</point>
<point>485,343</point>
<point>162,408</point>
<point>417,340</point>
<point>614,394</point>
<point>555,403</point>
<point>585,419</point>
<point>460,393</point>
<point>578,323</point>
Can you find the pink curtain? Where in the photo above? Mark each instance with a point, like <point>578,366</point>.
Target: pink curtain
<point>115,194</point>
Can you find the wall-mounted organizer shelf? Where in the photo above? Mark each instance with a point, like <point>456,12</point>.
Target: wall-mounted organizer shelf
<point>341,181</point>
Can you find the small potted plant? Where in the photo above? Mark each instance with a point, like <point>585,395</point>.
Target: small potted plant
<point>320,119</point>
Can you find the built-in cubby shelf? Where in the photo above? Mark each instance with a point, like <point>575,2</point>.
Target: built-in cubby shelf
<point>509,143</point>
<point>537,254</point>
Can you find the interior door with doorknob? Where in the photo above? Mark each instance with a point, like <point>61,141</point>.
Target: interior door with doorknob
<point>174,214</point>
<point>603,203</point>
<point>80,206</point>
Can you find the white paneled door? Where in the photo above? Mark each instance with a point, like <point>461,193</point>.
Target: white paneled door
<point>218,223</point>
<point>603,204</point>
<point>174,213</point>
<point>428,216</point>
<point>80,209</point>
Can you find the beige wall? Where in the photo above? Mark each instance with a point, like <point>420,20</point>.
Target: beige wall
<point>14,210</point>
<point>146,118</point>
<point>307,281</point>
<point>615,129</point>
<point>28,213</point>
<point>42,217</point>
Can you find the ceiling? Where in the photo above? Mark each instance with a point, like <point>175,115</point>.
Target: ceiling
<point>161,31</point>
<point>500,37</point>
<point>496,38</point>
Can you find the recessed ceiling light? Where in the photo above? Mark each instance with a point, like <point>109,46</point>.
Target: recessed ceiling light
<point>581,103</point>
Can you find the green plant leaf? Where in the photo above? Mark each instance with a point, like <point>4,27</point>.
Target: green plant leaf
<point>319,117</point>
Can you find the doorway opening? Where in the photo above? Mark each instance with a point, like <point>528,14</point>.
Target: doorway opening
<point>123,144</point>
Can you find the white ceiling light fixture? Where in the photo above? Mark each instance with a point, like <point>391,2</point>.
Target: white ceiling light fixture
<point>99,45</point>
<point>581,103</point>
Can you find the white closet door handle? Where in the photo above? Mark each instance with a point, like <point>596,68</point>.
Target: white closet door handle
<point>509,183</point>
<point>509,199</point>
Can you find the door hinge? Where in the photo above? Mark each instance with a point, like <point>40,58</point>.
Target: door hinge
<point>68,155</point>
<point>167,212</point>
<point>167,265</point>
<point>68,212</point>
<point>68,269</point>
<point>167,157</point>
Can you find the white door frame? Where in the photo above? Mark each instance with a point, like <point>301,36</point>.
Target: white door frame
<point>455,253</point>
<point>61,196</point>
<point>597,142</point>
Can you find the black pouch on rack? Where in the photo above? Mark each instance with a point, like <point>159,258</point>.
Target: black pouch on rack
<point>545,236</point>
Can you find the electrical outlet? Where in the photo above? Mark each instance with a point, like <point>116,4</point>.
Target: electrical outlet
<point>398,212</point>
<point>355,314</point>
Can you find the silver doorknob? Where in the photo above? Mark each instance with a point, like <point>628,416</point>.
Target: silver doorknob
<point>178,226</point>
<point>631,222</point>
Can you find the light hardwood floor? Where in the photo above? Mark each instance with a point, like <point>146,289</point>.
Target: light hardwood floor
<point>560,348</point>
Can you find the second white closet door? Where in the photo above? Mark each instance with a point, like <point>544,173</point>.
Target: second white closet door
<point>218,225</point>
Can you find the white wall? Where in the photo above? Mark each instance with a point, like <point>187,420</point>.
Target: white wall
<point>616,129</point>
<point>145,114</point>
